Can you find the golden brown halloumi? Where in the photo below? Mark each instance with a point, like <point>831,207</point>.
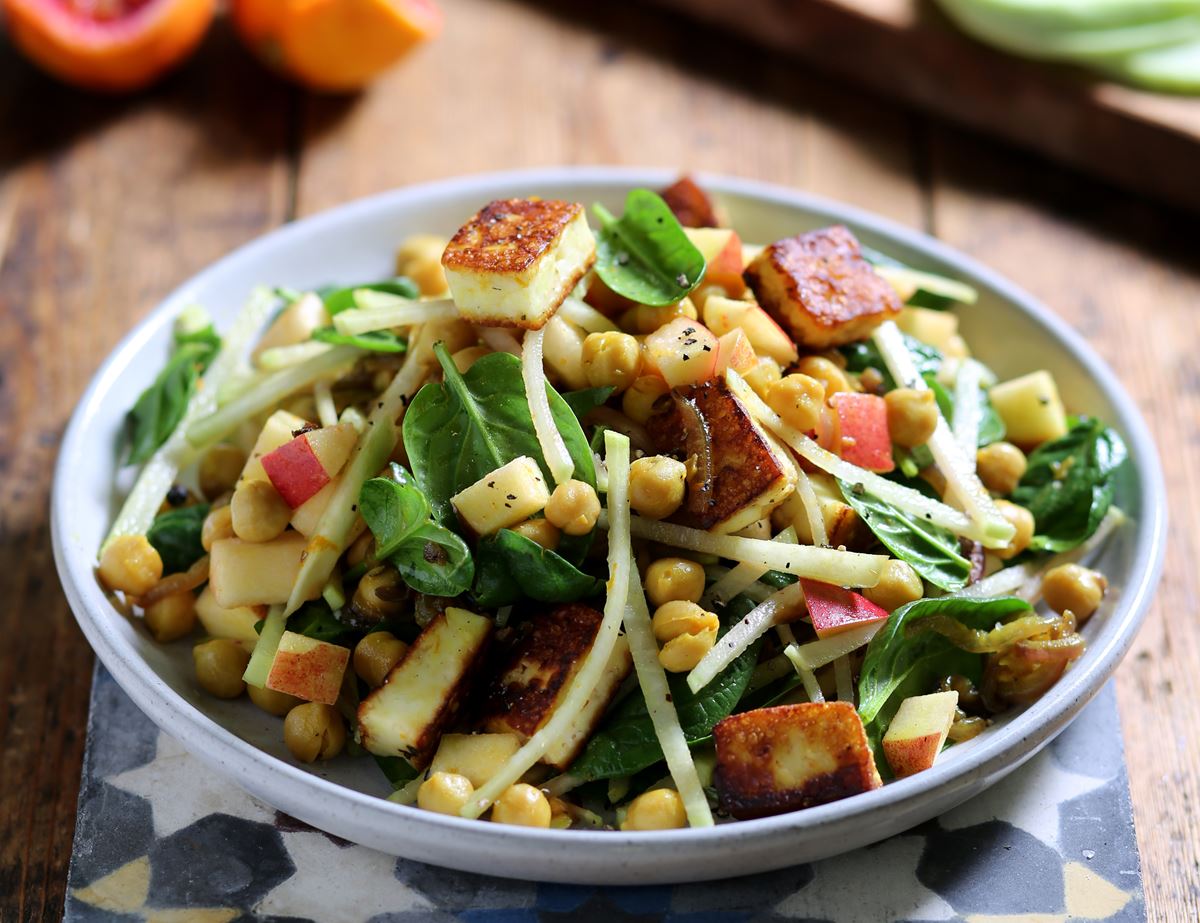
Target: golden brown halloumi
<point>533,678</point>
<point>751,472</point>
<point>421,695</point>
<point>819,287</point>
<point>774,760</point>
<point>514,262</point>
<point>691,204</point>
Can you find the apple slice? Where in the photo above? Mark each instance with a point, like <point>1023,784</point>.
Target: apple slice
<point>255,573</point>
<point>833,609</point>
<point>308,669</point>
<point>735,352</point>
<point>722,249</point>
<point>866,441</point>
<point>917,732</point>
<point>300,468</point>
<point>278,430</point>
<point>767,337</point>
<point>683,352</point>
<point>236,623</point>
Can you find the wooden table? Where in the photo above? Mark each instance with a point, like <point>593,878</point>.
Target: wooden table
<point>105,205</point>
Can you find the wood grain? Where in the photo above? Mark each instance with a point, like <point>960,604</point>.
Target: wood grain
<point>104,206</point>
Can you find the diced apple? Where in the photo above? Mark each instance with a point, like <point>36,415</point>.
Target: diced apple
<point>304,465</point>
<point>295,325</point>
<point>255,573</point>
<point>280,428</point>
<point>308,669</point>
<point>476,756</point>
<point>510,494</point>
<point>917,732</point>
<point>1031,409</point>
<point>937,328</point>
<point>683,352</point>
<point>866,440</point>
<point>722,249</point>
<point>767,337</point>
<point>735,352</point>
<point>834,609</point>
<point>236,623</point>
<point>332,445</point>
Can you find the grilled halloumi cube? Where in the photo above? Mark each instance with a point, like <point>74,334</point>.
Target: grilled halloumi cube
<point>502,498</point>
<point>819,287</point>
<point>751,472</point>
<point>514,262</point>
<point>774,760</point>
<point>421,695</point>
<point>843,526</point>
<point>533,679</point>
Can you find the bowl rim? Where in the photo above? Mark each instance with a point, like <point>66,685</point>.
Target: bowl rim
<point>1006,747</point>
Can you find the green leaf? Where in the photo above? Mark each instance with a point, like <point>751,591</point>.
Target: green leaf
<point>645,254</point>
<point>586,400</point>
<point>932,551</point>
<point>175,535</point>
<point>316,620</point>
<point>394,508</point>
<point>864,355</point>
<point>626,742</point>
<point>1069,484</point>
<point>397,769</point>
<point>435,561</point>
<point>939,292</point>
<point>380,341</point>
<point>463,429</point>
<point>161,406</point>
<point>510,566</point>
<point>991,426</point>
<point>342,299</point>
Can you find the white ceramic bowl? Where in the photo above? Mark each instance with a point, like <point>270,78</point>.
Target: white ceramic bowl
<point>1007,328</point>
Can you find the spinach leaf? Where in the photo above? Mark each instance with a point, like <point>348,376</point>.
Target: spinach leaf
<point>626,743</point>
<point>1069,484</point>
<point>470,425</point>
<point>509,566</point>
<point>380,341</point>
<point>899,664</point>
<point>316,620</point>
<point>396,769</point>
<point>175,535</point>
<point>394,508</point>
<point>932,551</point>
<point>645,254</point>
<point>864,355</point>
<point>991,426</point>
<point>341,299</point>
<point>586,400</point>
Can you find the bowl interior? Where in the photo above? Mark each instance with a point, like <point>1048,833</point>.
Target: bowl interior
<point>355,243</point>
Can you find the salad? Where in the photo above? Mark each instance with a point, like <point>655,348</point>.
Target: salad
<point>639,527</point>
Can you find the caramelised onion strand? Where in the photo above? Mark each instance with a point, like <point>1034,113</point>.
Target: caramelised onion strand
<point>975,640</point>
<point>698,444</point>
<point>182,582</point>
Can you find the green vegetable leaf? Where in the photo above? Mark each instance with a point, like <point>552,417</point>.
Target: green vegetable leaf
<point>864,355</point>
<point>991,426</point>
<point>645,254</point>
<point>394,508</point>
<point>510,566</point>
<point>586,400</point>
<point>626,742</point>
<point>316,620</point>
<point>342,299</point>
<point>435,561</point>
<point>932,290</point>
<point>396,769</point>
<point>380,341</point>
<point>470,425</point>
<point>1069,484</point>
<point>932,551</point>
<point>175,535</point>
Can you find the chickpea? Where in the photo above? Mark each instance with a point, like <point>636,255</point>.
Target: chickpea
<point>380,594</point>
<point>656,486</point>
<point>259,513</point>
<point>220,664</point>
<point>314,731</point>
<point>611,359</point>
<point>573,507</point>
<point>764,374</point>
<point>523,805</point>
<point>375,656</point>
<point>689,632</point>
<point>218,524</point>
<point>898,584</point>
<point>826,372</point>
<point>272,702</point>
<point>129,563</point>
<point>220,469</point>
<point>645,397</point>
<point>541,531</point>
<point>646,318</point>
<point>1001,466</point>
<point>172,617</point>
<point>1074,588</point>
<point>912,416</point>
<point>465,358</point>
<point>1022,520</point>
<point>420,259</point>
<point>798,399</point>
<point>669,579</point>
<point>661,809</point>
<point>445,793</point>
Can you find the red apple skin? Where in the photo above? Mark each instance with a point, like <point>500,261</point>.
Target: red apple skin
<point>866,441</point>
<point>916,754</point>
<point>314,675</point>
<point>295,471</point>
<point>682,352</point>
<point>735,352</point>
<point>722,249</point>
<point>834,609</point>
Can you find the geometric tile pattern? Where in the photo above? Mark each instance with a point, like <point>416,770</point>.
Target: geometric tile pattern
<point>160,839</point>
